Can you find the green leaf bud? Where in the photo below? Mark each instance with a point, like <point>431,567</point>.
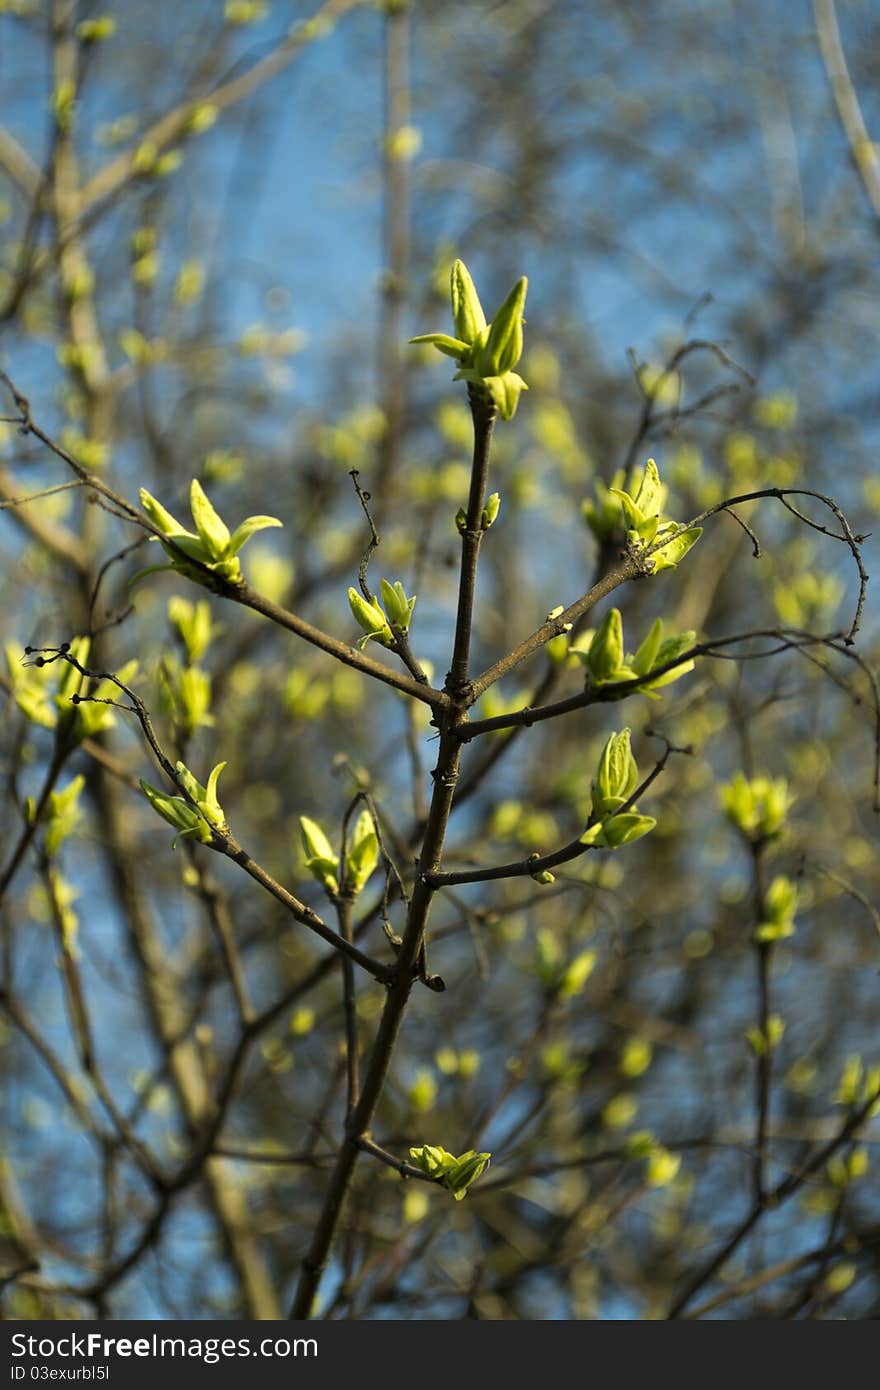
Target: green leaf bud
<point>504,390</point>
<point>450,347</point>
<point>670,555</point>
<point>362,855</point>
<point>605,656</point>
<point>159,516</point>
<point>486,354</point>
<point>204,797</point>
<point>646,656</point>
<point>464,1172</point>
<point>670,649</point>
<point>616,776</point>
<point>467,311</point>
<point>651,494</point>
<point>192,623</point>
<point>621,830</point>
<point>249,527</point>
<point>321,860</point>
<point>178,813</point>
<point>212,530</point>
<point>504,344</point>
<point>490,511</point>
<point>398,607</point>
<point>210,805</point>
<point>456,1173</point>
<point>94,30</point>
<point>432,1159</point>
<point>371,619</point>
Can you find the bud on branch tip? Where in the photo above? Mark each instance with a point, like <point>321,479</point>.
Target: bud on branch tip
<point>486,352</point>
<point>211,546</point>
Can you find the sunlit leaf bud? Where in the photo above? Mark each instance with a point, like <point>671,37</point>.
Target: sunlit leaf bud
<point>605,656</point>
<point>504,344</point>
<point>465,1172</point>
<point>178,813</point>
<point>160,517</point>
<point>322,861</point>
<point>544,876</point>
<point>467,311</point>
<point>491,509</point>
<point>362,855</point>
<point>616,775</point>
<point>398,608</point>
<point>211,528</point>
<point>371,619</point>
<point>623,829</point>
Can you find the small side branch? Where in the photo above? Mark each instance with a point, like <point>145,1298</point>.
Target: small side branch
<point>240,592</point>
<point>783,639</point>
<point>627,568</point>
<point>400,1165</point>
<point>846,534</point>
<point>537,863</point>
<point>222,841</point>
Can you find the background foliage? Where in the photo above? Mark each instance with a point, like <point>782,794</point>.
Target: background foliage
<point>221,224</point>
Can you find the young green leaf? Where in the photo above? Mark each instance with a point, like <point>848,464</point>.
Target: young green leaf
<point>192,622</point>
<point>464,1172</point>
<point>617,774</point>
<point>363,853</point>
<point>467,311</point>
<point>249,527</point>
<point>486,353</point>
<point>671,554</point>
<point>159,516</point>
<point>604,659</point>
<point>505,391</point>
<point>321,860</point>
<point>450,347</point>
<point>371,619</point>
<point>212,530</point>
<point>645,658</point>
<point>210,805</point>
<point>504,344</point>
<point>651,494</point>
<point>490,511</point>
<point>622,830</point>
<point>178,813</point>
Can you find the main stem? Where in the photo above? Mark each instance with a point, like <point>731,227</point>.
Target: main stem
<point>445,776</point>
<point>484,416</point>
